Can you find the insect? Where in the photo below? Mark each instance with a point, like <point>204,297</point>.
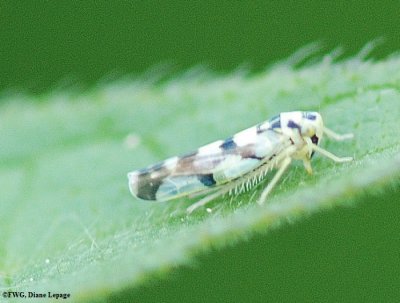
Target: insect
<point>238,163</point>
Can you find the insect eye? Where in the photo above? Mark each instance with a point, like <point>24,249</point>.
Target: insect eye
<point>314,139</point>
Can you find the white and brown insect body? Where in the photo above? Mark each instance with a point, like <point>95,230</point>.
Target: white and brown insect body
<point>242,160</point>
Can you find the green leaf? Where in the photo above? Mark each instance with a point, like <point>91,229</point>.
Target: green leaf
<point>69,224</point>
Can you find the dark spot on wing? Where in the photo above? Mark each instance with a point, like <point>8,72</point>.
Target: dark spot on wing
<point>247,152</point>
<point>312,154</point>
<point>147,187</point>
<point>228,144</point>
<point>276,123</point>
<point>207,179</point>
<point>292,124</point>
<point>309,116</point>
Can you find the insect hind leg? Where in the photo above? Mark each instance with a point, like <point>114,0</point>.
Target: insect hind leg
<point>241,185</point>
<point>284,165</point>
<point>218,192</point>
<point>206,200</point>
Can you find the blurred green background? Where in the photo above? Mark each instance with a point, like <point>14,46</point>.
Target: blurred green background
<point>48,44</point>
<point>52,44</point>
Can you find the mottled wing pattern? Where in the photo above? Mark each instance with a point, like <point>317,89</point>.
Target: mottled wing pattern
<point>211,165</point>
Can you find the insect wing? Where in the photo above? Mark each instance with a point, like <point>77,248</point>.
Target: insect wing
<point>211,165</point>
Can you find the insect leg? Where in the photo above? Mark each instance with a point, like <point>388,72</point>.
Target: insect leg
<point>284,165</point>
<point>330,155</point>
<point>213,195</point>
<point>206,199</point>
<point>335,136</point>
<point>202,193</point>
